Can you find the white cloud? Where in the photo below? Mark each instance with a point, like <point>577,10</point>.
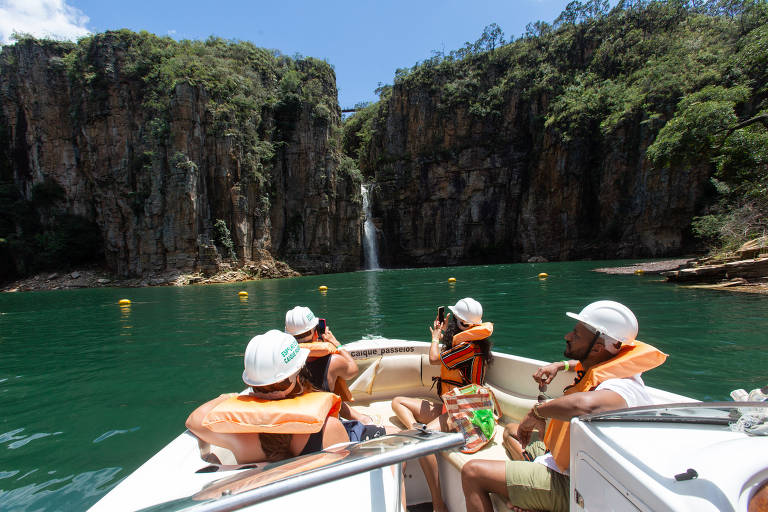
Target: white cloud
<point>41,18</point>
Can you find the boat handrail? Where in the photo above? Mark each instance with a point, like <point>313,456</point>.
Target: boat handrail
<point>671,413</point>
<point>426,443</point>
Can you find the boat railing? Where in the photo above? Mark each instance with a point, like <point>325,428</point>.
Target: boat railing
<point>252,486</point>
<point>709,413</point>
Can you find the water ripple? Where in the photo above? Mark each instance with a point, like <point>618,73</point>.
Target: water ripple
<point>11,435</point>
<point>75,491</point>
<point>39,435</point>
<point>110,433</point>
<point>22,440</point>
<point>25,475</point>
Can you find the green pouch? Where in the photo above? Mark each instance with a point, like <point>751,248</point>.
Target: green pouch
<point>484,420</point>
<point>470,388</point>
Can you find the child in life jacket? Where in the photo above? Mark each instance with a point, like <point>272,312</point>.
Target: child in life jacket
<point>281,416</point>
<point>329,366</point>
<point>464,360</point>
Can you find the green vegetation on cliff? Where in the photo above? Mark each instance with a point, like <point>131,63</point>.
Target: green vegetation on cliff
<point>689,75</point>
<point>251,98</point>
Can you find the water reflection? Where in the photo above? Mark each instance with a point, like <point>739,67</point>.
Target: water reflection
<point>374,311</point>
<point>107,435</point>
<point>125,319</point>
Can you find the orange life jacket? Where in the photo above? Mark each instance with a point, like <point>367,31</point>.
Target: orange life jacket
<point>631,360</point>
<point>319,349</point>
<point>247,414</point>
<point>453,378</point>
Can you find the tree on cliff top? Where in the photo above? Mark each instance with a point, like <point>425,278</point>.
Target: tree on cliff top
<point>687,72</point>
<point>726,126</point>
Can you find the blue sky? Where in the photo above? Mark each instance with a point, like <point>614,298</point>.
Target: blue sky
<point>365,41</point>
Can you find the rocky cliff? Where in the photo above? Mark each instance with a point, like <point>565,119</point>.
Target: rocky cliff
<point>461,189</point>
<point>153,141</point>
<point>593,137</point>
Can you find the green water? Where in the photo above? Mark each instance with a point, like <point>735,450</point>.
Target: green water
<point>89,391</point>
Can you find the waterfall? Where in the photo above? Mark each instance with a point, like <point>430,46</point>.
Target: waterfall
<point>370,251</point>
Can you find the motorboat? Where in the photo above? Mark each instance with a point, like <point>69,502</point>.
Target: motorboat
<point>677,455</point>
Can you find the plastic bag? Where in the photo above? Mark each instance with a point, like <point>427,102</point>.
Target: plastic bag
<point>485,420</point>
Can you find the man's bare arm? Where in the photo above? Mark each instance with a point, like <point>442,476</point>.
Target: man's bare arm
<point>589,402</point>
<point>566,407</point>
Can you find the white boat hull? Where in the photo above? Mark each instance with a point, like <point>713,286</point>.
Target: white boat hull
<point>390,368</point>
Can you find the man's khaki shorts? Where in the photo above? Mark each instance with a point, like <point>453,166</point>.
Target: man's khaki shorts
<point>534,486</point>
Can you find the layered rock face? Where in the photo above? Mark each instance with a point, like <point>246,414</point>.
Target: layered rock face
<point>453,188</point>
<point>156,188</point>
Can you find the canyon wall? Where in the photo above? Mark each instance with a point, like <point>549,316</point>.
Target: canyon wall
<point>155,167</point>
<point>457,189</point>
<point>486,159</point>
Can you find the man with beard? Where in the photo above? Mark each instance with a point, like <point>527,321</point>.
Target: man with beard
<point>608,361</point>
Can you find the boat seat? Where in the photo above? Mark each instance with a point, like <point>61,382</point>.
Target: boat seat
<point>513,406</point>
<point>411,375</point>
<point>381,412</point>
<point>453,460</point>
<point>399,375</point>
<point>492,451</point>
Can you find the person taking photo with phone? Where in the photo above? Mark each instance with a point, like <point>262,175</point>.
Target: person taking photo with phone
<point>329,365</point>
<point>463,360</point>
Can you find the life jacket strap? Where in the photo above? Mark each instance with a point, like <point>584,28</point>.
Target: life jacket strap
<point>439,381</point>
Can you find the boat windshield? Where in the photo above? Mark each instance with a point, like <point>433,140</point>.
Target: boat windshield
<point>749,417</point>
<point>265,481</point>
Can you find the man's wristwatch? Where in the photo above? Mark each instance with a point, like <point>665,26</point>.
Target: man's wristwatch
<point>535,411</point>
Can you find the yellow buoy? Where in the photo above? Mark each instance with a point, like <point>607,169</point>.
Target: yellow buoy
<point>451,279</point>
<point>639,271</point>
<point>242,294</point>
<point>543,275</point>
<point>124,302</point>
<point>322,288</point>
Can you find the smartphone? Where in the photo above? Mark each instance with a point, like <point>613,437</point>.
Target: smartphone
<point>441,314</point>
<point>320,326</point>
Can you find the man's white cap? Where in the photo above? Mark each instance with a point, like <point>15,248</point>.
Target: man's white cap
<point>609,318</point>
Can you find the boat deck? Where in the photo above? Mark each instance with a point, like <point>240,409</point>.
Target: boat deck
<point>388,368</point>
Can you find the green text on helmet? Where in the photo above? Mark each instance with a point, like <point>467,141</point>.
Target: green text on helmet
<point>290,352</point>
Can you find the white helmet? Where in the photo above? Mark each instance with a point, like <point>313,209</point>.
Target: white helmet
<point>609,318</point>
<point>468,310</point>
<point>272,357</point>
<point>299,320</point>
